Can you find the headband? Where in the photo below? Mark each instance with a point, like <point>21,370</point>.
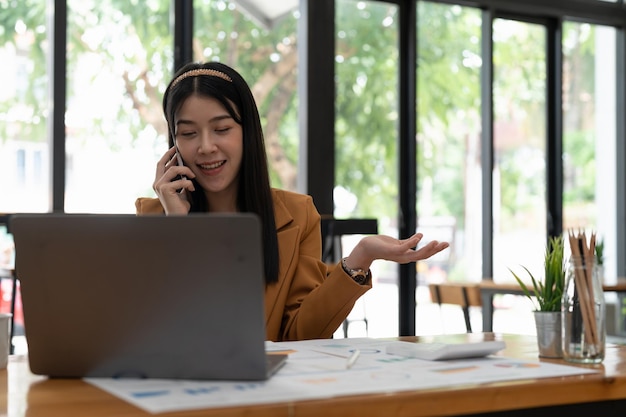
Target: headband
<point>200,71</point>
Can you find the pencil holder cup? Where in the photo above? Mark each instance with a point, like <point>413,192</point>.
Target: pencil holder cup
<point>583,312</point>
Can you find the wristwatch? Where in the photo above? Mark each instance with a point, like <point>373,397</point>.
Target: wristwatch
<point>360,276</point>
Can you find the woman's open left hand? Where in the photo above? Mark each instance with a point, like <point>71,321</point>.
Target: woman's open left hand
<point>388,248</point>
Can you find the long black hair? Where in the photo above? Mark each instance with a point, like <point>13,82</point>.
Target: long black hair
<point>221,82</point>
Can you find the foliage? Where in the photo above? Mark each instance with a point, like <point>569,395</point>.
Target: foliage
<point>599,249</point>
<point>267,59</point>
<point>549,292</point>
<point>366,149</point>
<point>579,167</point>
<point>132,41</point>
<point>23,22</point>
<point>448,105</point>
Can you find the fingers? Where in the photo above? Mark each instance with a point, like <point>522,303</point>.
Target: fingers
<point>413,254</point>
<point>165,162</point>
<point>174,195</point>
<point>413,241</point>
<point>170,180</point>
<point>173,180</point>
<point>430,249</point>
<point>427,250</point>
<point>168,169</point>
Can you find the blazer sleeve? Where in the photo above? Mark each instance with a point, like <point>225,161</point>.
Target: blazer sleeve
<point>145,205</point>
<point>320,297</point>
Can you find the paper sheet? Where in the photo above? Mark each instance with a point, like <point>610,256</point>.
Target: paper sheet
<point>317,369</point>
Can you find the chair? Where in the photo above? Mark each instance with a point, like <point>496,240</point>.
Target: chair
<point>465,295</point>
<point>4,221</point>
<point>13,298</point>
<point>332,251</point>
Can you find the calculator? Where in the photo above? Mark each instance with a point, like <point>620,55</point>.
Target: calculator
<point>442,351</point>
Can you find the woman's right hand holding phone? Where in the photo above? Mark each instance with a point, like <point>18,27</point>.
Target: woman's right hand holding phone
<point>172,183</point>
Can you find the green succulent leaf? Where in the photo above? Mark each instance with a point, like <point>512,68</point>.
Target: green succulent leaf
<point>546,295</point>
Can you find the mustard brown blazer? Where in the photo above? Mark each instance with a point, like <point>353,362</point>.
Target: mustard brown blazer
<point>310,299</point>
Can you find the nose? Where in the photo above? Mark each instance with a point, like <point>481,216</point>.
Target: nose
<point>207,143</point>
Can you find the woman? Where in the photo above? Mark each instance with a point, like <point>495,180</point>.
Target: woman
<point>217,163</point>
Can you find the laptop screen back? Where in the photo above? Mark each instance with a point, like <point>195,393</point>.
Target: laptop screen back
<point>147,296</point>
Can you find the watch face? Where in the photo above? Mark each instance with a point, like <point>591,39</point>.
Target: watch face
<point>360,278</point>
<point>358,275</point>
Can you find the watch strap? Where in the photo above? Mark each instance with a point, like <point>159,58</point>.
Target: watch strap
<point>360,276</point>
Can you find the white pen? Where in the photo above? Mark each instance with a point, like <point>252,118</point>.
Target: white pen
<point>352,358</point>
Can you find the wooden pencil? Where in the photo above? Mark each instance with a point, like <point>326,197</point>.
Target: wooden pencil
<point>583,274</point>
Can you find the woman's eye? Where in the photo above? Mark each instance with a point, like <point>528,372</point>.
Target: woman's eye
<point>185,134</point>
<point>222,129</point>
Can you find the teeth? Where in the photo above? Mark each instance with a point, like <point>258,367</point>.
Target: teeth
<point>212,166</point>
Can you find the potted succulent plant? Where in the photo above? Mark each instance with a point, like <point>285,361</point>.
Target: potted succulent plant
<point>599,251</point>
<point>599,256</point>
<point>546,295</point>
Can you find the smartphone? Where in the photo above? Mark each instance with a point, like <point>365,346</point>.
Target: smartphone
<point>180,162</point>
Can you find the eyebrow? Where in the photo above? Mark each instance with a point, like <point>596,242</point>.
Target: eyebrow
<point>213,120</point>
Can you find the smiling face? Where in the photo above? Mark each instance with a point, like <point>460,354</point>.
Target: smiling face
<point>210,142</point>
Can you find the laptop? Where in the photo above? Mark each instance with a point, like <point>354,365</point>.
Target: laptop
<point>116,295</point>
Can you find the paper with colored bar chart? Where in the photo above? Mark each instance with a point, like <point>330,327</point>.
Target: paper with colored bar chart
<point>329,368</point>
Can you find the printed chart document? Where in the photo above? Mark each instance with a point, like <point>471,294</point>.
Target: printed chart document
<point>327,368</point>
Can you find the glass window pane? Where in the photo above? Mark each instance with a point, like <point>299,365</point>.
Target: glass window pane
<point>24,107</point>
<point>448,144</point>
<point>267,59</point>
<point>589,136</point>
<point>366,132</point>
<point>519,175</point>
<point>119,58</point>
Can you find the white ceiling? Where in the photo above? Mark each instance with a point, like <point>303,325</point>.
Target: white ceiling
<point>267,12</point>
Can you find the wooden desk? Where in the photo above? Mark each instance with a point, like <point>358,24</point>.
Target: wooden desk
<point>604,393</point>
<point>488,289</point>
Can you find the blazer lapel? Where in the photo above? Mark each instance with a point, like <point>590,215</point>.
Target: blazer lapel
<point>288,244</point>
